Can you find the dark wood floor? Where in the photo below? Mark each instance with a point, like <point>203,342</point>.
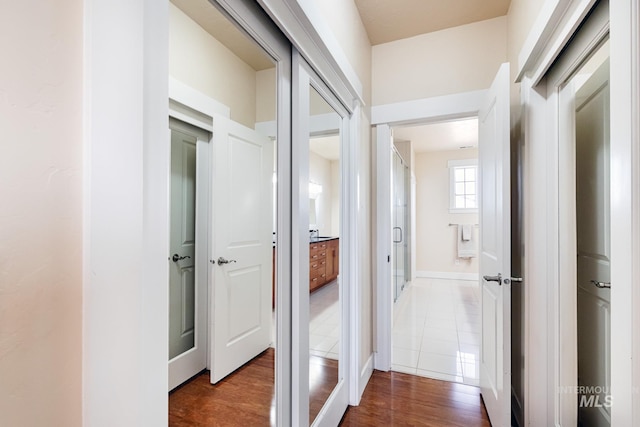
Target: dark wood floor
<point>246,398</point>
<point>395,399</point>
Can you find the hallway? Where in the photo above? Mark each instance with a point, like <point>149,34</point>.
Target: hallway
<point>436,330</point>
<point>396,399</point>
<point>245,398</point>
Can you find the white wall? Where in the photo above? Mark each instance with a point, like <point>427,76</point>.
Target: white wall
<point>41,213</point>
<point>436,241</point>
<point>444,62</point>
<point>320,173</point>
<point>201,62</point>
<point>266,95</point>
<point>344,20</point>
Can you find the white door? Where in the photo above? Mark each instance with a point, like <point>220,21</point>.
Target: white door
<point>593,248</point>
<point>495,251</point>
<point>187,296</point>
<point>241,245</point>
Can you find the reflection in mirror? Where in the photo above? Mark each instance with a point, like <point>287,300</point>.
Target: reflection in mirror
<point>589,88</point>
<point>209,56</point>
<point>324,252</point>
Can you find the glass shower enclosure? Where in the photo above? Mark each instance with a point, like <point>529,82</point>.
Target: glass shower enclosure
<point>400,220</point>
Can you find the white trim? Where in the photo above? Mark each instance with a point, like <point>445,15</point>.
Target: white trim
<point>365,376</point>
<point>437,108</point>
<point>195,99</point>
<point>351,171</point>
<point>538,191</point>
<point>382,261</point>
<point>557,22</point>
<point>450,275</point>
<point>125,199</point>
<point>625,218</point>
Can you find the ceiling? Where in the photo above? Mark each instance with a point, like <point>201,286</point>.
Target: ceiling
<point>443,136</point>
<point>390,20</point>
<point>384,21</point>
<point>326,146</point>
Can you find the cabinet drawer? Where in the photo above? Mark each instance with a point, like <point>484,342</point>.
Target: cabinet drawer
<point>318,272</point>
<point>317,249</point>
<point>315,264</point>
<point>318,254</point>
<point>317,277</point>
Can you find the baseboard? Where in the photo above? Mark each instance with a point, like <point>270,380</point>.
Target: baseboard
<point>365,376</point>
<point>447,275</point>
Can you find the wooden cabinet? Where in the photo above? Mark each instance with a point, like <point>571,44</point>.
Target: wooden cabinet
<point>333,259</point>
<point>323,263</point>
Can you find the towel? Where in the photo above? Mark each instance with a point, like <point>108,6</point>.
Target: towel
<point>466,243</point>
<point>466,232</point>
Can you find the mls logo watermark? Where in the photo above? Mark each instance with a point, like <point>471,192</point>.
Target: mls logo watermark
<point>590,396</point>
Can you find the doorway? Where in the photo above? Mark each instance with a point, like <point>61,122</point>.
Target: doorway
<point>494,245</point>
<point>436,320</point>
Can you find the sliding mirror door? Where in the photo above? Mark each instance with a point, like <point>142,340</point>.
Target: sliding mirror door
<point>320,288</point>
<point>231,118</point>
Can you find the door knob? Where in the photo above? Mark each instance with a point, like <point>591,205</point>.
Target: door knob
<point>497,278</point>
<point>601,285</point>
<point>176,257</point>
<point>221,261</point>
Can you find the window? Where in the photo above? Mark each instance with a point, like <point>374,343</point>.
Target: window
<point>463,189</point>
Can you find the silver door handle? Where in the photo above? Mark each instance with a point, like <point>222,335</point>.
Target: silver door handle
<point>176,257</point>
<point>513,280</point>
<point>497,278</point>
<point>601,285</point>
<point>401,238</point>
<point>221,261</point>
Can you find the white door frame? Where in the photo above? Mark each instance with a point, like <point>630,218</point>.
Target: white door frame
<point>543,361</point>
<point>428,110</point>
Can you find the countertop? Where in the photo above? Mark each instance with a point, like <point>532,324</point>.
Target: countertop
<point>322,239</point>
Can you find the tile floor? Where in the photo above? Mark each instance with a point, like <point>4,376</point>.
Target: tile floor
<point>324,329</point>
<point>324,324</point>
<point>436,330</point>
